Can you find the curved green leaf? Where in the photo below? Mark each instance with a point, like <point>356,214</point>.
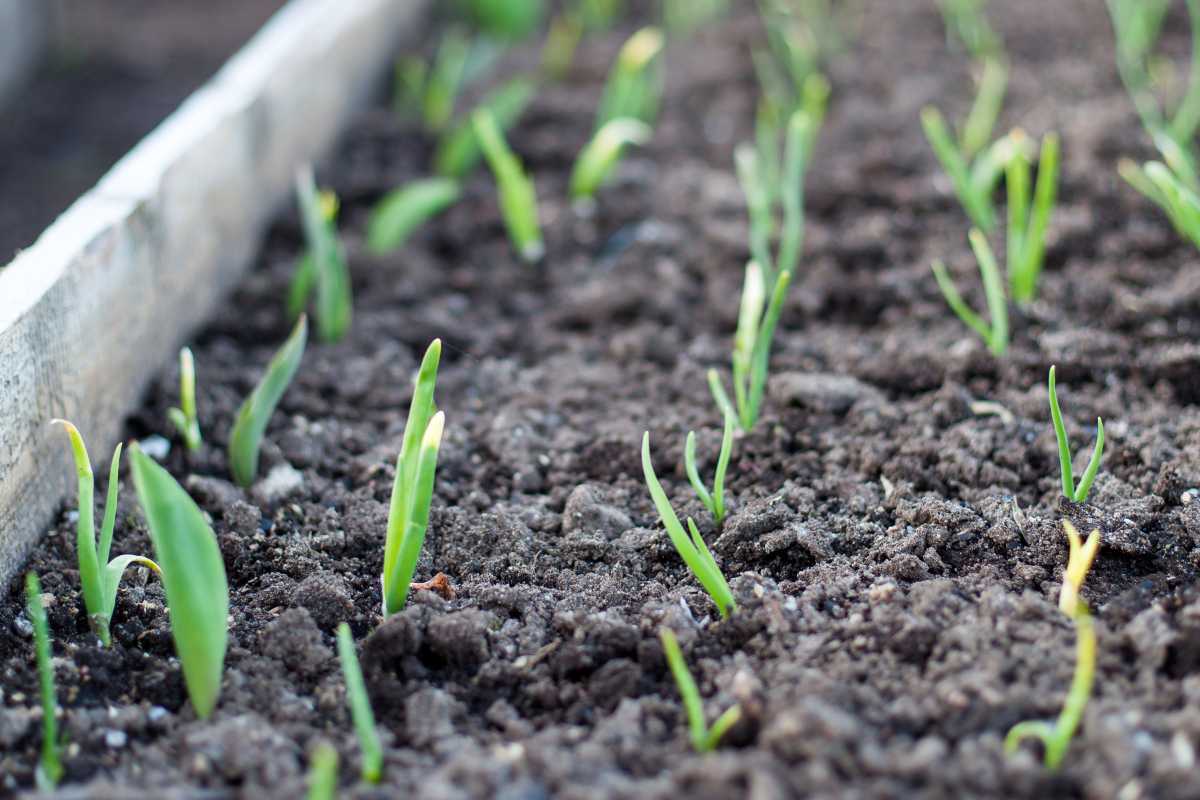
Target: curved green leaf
<point>402,211</point>
<point>245,440</point>
<point>193,574</point>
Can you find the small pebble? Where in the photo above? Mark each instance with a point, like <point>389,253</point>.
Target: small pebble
<point>155,446</point>
<point>115,739</point>
<point>156,713</point>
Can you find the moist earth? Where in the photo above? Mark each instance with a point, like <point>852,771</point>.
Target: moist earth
<point>895,547</point>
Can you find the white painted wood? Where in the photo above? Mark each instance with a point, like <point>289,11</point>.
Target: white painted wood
<point>107,294</point>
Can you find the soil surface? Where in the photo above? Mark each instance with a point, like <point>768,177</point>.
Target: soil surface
<point>895,548</point>
<point>117,68</point>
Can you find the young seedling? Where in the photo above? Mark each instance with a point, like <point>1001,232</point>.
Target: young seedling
<point>1027,226</point>
<point>1056,737</point>
<point>1071,490</point>
<point>714,501</point>
<point>193,575</point>
<point>681,18</point>
<point>445,79</point>
<point>1080,555</point>
<point>598,15</point>
<point>977,128</point>
<point>751,347</point>
<point>1137,24</point>
<point>974,177</point>
<point>995,332</point>
<point>774,195</point>
<point>601,155</point>
<point>965,19</point>
<point>1173,186</point>
<point>635,84</point>
<point>49,770</point>
<point>323,773</point>
<point>245,440</point>
<point>518,197</point>
<point>412,491</point>
<point>323,265</point>
<point>693,550</point>
<point>458,149</point>
<point>360,707</point>
<point>704,738</point>
<point>801,36</point>
<point>403,210</point>
<point>98,577</point>
<point>184,419</point>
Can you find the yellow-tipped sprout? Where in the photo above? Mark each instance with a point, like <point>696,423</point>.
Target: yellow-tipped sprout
<point>634,88</point>
<point>98,576</point>
<point>323,266</point>
<point>184,418</point>
<point>1056,737</point>
<point>412,491</point>
<point>518,197</point>
<point>602,153</point>
<point>704,738</point>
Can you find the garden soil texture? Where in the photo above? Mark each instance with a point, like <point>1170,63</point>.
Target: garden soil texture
<point>895,548</point>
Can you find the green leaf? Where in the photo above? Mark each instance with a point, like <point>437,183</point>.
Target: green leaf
<point>634,86</point>
<point>602,153</point>
<point>360,707</point>
<point>245,440</point>
<point>518,197</point>
<point>49,770</point>
<point>332,275</point>
<point>193,575</point>
<point>402,211</point>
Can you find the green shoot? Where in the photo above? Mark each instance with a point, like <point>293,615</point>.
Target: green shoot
<point>601,154</point>
<point>98,577</point>
<point>977,129</point>
<point>184,419</point>
<point>323,264</point>
<point>1137,24</point>
<point>193,574</point>
<point>412,490</point>
<point>634,87</point>
<point>765,187</point>
<point>50,769</point>
<point>681,18</point>
<point>402,211</point>
<point>995,333</point>
<point>1026,226</point>
<point>751,347</point>
<point>360,707</point>
<point>505,19</point>
<point>561,42</point>
<point>704,738</point>
<point>714,501</point>
<point>323,773</point>
<point>693,550</point>
<point>445,79</point>
<point>973,179</point>
<point>518,196</point>
<point>458,150</point>
<point>1056,738</point>
<point>801,36</point>
<point>1071,490</point>
<point>1172,186</point>
<point>245,440</point>
<point>965,20</point>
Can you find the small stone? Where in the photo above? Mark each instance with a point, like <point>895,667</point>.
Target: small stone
<point>281,481</point>
<point>586,513</point>
<point>155,446</point>
<point>823,392</point>
<point>115,739</point>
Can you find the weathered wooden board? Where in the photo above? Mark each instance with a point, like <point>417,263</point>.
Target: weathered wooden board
<point>107,294</point>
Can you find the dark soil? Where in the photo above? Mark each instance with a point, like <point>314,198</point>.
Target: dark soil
<point>117,68</point>
<point>897,555</point>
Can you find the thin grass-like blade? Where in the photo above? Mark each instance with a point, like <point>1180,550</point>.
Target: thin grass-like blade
<point>49,770</point>
<point>418,517</point>
<point>458,150</point>
<point>334,305</point>
<point>518,197</point>
<point>245,440</point>
<point>360,707</point>
<point>193,575</point>
<point>993,289</point>
<point>1089,474</point>
<point>1064,445</point>
<point>693,706</point>
<point>689,465</point>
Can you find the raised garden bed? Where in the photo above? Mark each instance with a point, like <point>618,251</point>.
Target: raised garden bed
<point>897,555</point>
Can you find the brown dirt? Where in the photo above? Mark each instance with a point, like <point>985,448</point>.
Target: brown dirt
<point>885,642</point>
